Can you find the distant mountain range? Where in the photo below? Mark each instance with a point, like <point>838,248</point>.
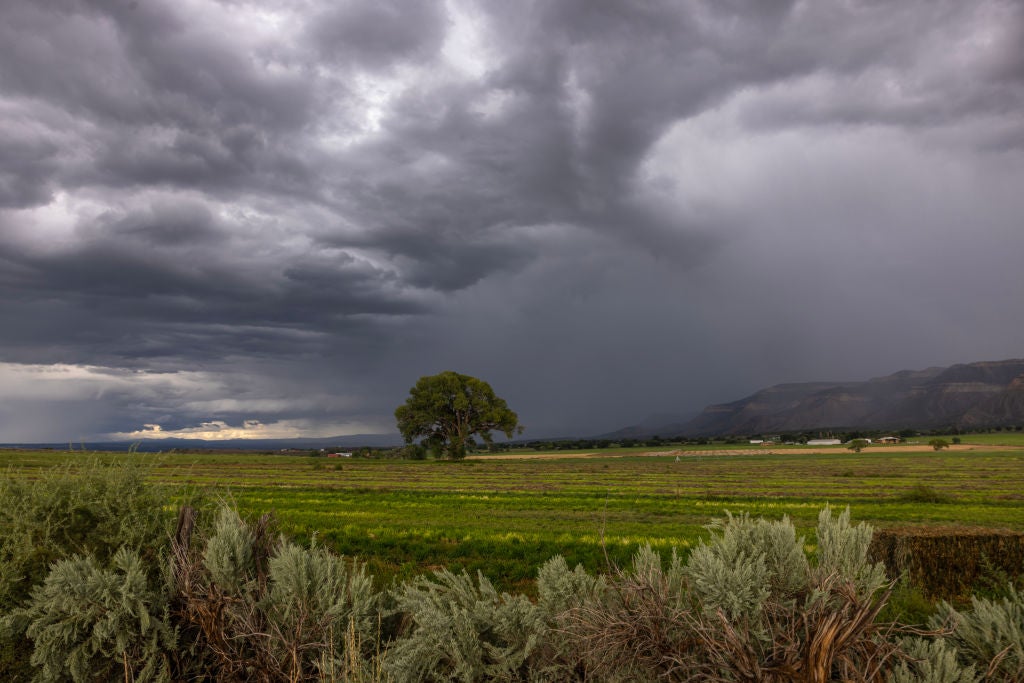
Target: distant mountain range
<point>986,394</point>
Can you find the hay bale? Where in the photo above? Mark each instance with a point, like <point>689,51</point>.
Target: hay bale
<point>949,562</point>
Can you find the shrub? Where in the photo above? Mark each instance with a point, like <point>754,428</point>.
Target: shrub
<point>92,623</point>
<point>931,661</point>
<point>908,605</point>
<point>459,630</point>
<point>560,592</point>
<point>95,509</point>
<point>747,562</point>
<point>232,552</point>
<point>829,633</point>
<point>259,608</point>
<point>91,510</point>
<point>950,561</point>
<point>843,551</point>
<point>811,629</point>
<point>990,635</point>
<point>318,604</point>
<point>922,493</point>
<point>643,629</point>
<point>747,607</point>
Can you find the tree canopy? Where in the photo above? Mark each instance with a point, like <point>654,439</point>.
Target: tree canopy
<point>448,409</point>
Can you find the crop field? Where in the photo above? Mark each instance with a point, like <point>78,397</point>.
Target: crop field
<point>1003,438</point>
<point>506,516</point>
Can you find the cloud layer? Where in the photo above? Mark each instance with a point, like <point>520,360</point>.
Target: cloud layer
<point>214,212</point>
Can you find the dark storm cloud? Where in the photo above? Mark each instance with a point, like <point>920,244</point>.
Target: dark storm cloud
<point>164,224</point>
<point>25,179</point>
<point>155,96</point>
<point>329,199</point>
<point>379,34</point>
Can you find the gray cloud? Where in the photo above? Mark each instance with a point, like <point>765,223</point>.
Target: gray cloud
<point>25,181</point>
<point>377,35</point>
<point>606,209</point>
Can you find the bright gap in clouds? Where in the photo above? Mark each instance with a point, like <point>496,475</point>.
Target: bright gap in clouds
<point>218,430</point>
<point>180,404</point>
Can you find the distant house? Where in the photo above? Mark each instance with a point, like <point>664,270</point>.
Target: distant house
<point>890,439</point>
<point>339,455</point>
<point>756,442</point>
<point>824,442</point>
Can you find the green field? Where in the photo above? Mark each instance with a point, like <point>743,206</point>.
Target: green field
<point>506,516</point>
<point>1004,438</point>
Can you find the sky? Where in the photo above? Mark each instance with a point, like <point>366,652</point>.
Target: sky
<point>269,218</point>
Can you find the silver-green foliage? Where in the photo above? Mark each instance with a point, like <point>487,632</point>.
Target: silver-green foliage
<point>293,612</point>
<point>560,589</point>
<point>461,630</point>
<point>229,554</point>
<point>560,593</point>
<point>989,635</point>
<point>843,552</point>
<point>89,623</point>
<point>745,562</point>
<point>639,628</point>
<point>931,661</point>
<point>647,569</point>
<point>762,612</point>
<point>314,592</point>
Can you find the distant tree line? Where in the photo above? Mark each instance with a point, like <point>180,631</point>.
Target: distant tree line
<point>424,451</point>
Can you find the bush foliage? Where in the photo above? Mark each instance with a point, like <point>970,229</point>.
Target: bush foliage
<point>85,514</point>
<point>950,561</point>
<point>88,622</point>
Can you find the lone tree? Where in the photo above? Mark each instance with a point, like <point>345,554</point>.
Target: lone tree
<point>857,445</point>
<point>446,410</point>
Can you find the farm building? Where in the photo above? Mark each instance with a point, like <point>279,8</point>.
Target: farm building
<point>824,442</point>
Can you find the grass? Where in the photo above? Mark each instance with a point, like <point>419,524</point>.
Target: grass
<point>505,517</point>
<point>668,447</point>
<point>1003,438</point>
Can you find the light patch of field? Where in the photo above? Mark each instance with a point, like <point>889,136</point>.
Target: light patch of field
<point>553,455</point>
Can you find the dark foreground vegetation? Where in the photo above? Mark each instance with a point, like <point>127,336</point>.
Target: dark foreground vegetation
<point>101,579</point>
